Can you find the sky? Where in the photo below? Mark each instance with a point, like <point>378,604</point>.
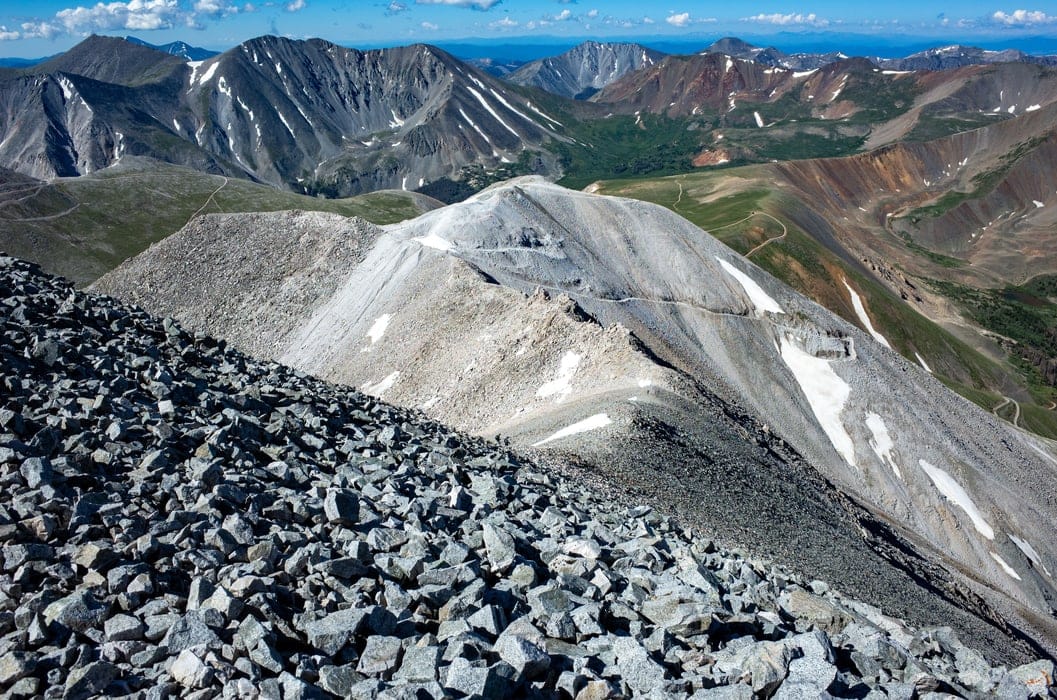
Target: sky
<point>45,27</point>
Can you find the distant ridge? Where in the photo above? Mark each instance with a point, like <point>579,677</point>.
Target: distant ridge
<point>585,69</point>
<point>177,48</point>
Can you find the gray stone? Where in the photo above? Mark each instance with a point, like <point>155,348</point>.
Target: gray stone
<point>89,680</point>
<point>15,665</point>
<point>499,546</point>
<point>338,680</point>
<point>189,671</point>
<point>527,658</point>
<point>78,611</point>
<point>811,674</point>
<point>420,664</point>
<point>37,471</point>
<point>637,669</point>
<point>380,656</point>
<point>341,507</point>
<point>120,628</point>
<point>334,631</point>
<point>489,682</point>
<point>189,631</point>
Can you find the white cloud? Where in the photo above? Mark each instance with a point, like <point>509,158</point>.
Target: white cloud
<point>295,5</point>
<point>592,13</point>
<point>472,4</point>
<point>395,7</point>
<point>216,8</point>
<point>563,15</point>
<point>8,34</point>
<point>135,15</point>
<point>647,20</point>
<point>1023,18</point>
<point>793,18</point>
<point>505,23</point>
<point>430,26</point>
<point>679,20</point>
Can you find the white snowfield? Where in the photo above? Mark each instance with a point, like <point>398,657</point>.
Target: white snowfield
<point>826,393</point>
<point>759,298</point>
<point>561,387</point>
<point>377,329</point>
<point>882,443</point>
<point>953,492</point>
<point>599,420</point>
<point>860,311</point>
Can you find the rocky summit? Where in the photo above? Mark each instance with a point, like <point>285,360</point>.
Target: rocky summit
<point>182,520</point>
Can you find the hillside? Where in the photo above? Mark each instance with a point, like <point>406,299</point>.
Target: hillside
<point>82,227</point>
<point>928,233</point>
<point>509,314</point>
<point>237,527</point>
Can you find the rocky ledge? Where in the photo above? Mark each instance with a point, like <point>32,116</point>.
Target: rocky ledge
<point>182,520</point>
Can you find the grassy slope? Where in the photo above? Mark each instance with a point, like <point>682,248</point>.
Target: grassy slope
<point>806,265</point>
<point>83,227</point>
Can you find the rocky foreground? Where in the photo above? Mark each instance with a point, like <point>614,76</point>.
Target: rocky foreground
<point>181,520</point>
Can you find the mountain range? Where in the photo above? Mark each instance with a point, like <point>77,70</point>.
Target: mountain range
<point>907,197</point>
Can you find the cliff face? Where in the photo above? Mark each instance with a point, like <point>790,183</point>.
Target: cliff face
<point>585,69</point>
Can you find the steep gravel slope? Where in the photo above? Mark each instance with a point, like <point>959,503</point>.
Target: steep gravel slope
<point>183,520</point>
<point>616,332</point>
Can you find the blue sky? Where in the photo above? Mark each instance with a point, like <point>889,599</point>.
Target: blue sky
<point>44,27</point>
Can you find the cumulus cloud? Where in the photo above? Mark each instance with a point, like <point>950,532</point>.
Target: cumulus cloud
<point>592,13</point>
<point>216,8</point>
<point>472,4</point>
<point>793,18</point>
<point>647,20</point>
<point>295,5</point>
<point>680,19</point>
<point>429,26</point>
<point>135,15</point>
<point>9,34</point>
<point>1023,18</point>
<point>562,16</point>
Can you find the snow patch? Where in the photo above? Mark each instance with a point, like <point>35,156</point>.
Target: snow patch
<point>561,387</point>
<point>1037,203</point>
<point>759,119</point>
<point>222,86</point>
<point>599,420</point>
<point>826,393</point>
<point>759,298</point>
<point>860,311</point>
<point>484,103</point>
<point>1033,108</point>
<point>1005,566</point>
<point>285,123</point>
<point>804,73</point>
<point>1028,551</point>
<point>377,330</point>
<point>924,365</point>
<point>882,443</point>
<point>953,492</point>
<point>382,386</point>
<point>436,242</point>
<point>513,109</point>
<point>397,122</point>
<point>475,127</point>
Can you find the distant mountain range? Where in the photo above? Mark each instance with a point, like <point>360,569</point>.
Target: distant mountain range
<point>177,48</point>
<point>309,116</point>
<point>586,69</point>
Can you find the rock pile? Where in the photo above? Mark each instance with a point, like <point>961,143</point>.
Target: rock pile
<point>181,520</point>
